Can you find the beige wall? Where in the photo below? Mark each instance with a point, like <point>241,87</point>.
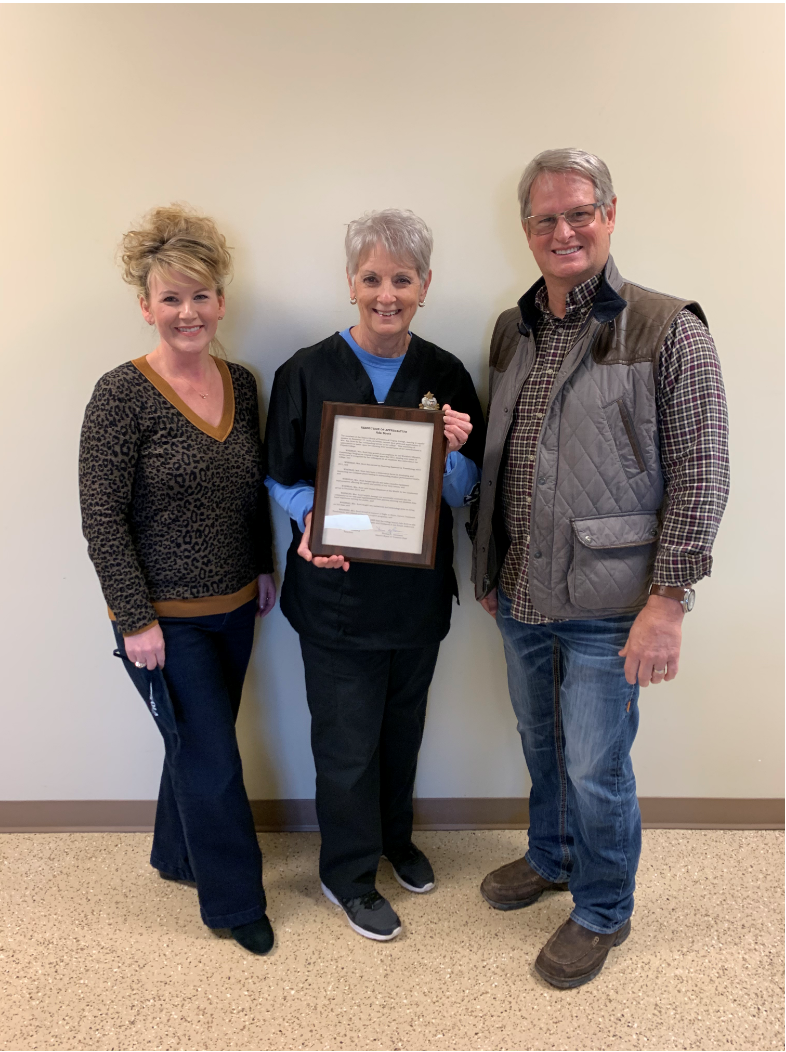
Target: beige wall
<point>284,122</point>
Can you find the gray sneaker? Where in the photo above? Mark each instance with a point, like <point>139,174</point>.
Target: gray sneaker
<point>369,915</point>
<point>412,869</point>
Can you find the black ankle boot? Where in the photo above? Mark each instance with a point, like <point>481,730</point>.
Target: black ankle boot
<point>256,937</point>
<point>179,880</point>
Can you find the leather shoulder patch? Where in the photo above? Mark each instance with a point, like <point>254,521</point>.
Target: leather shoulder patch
<point>636,335</point>
<point>505,339</point>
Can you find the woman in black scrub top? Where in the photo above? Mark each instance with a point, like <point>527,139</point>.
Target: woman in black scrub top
<point>370,634</point>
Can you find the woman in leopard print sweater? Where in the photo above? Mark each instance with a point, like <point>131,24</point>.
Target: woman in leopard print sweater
<point>175,515</point>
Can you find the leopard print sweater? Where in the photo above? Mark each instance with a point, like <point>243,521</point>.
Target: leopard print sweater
<point>172,508</point>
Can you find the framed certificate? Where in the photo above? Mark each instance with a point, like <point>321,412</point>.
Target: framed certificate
<point>379,484</point>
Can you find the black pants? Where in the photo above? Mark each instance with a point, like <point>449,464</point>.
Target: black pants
<point>368,709</point>
<point>204,826</point>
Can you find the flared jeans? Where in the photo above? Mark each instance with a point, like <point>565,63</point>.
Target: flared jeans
<point>204,828</point>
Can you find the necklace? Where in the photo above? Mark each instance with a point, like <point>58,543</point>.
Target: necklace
<point>173,380</point>
<point>195,390</point>
<point>202,396</point>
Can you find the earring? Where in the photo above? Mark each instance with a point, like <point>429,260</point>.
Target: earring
<point>353,300</point>
<point>422,303</point>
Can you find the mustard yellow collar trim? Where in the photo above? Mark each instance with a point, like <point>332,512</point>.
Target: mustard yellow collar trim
<point>225,424</point>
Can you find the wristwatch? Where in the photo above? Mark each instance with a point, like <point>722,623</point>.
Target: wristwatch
<point>684,595</point>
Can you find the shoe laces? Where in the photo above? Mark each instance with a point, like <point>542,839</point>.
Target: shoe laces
<point>372,900</point>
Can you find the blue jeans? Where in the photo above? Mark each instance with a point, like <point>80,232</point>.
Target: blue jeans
<point>204,827</point>
<point>577,717</point>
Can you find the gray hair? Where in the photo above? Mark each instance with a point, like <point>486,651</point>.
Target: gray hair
<point>566,160</point>
<point>404,235</point>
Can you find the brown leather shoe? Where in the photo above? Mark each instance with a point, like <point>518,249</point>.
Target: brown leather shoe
<point>515,885</point>
<point>574,954</point>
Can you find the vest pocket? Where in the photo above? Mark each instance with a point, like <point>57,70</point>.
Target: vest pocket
<point>613,556</point>
<point>623,434</point>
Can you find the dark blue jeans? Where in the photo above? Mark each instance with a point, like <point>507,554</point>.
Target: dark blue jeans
<point>204,828</point>
<point>578,716</point>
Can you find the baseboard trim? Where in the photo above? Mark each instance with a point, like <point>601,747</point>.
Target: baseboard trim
<point>278,816</point>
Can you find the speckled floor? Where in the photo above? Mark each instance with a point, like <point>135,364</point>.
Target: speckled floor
<point>97,952</point>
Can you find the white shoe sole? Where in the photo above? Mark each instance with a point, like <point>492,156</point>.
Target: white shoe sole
<point>410,887</point>
<point>356,927</point>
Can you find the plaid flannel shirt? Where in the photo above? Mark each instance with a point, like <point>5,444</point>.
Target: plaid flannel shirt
<point>693,426</point>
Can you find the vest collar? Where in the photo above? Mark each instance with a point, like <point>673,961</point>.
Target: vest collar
<point>608,302</point>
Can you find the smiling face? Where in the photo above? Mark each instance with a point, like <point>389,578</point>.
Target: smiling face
<point>185,312</point>
<point>388,291</point>
<point>567,257</point>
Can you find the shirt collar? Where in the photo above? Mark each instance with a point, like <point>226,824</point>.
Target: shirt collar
<point>577,300</point>
<point>607,302</point>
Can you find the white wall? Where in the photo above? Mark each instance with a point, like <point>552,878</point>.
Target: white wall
<point>284,122</point>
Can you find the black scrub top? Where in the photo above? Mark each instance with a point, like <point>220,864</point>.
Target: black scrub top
<point>369,606</point>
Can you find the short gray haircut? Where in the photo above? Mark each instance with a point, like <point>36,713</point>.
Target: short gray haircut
<point>403,234</point>
<point>567,160</point>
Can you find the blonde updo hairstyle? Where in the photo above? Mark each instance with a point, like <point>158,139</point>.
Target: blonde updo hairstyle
<point>175,237</point>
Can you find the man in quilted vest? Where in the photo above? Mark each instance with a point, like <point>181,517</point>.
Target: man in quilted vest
<point>604,480</point>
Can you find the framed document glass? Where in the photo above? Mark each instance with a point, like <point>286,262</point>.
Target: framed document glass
<point>379,484</point>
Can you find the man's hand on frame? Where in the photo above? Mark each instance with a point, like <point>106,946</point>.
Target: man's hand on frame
<point>652,651</point>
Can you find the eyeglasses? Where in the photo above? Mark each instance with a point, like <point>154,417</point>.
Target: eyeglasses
<point>577,217</point>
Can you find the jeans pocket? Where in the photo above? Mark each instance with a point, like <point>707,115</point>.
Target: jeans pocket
<point>154,692</point>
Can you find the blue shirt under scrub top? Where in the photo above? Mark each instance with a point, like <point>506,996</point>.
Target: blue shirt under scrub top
<point>461,474</point>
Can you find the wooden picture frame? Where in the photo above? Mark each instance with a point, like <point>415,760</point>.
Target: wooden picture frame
<point>391,466</point>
